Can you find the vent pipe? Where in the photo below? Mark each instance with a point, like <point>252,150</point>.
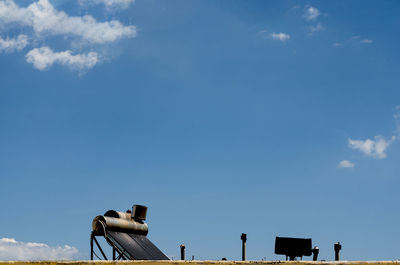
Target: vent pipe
<point>243,237</point>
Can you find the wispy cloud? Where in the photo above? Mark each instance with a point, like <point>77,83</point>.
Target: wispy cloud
<point>357,38</point>
<point>41,21</point>
<point>45,19</point>
<point>311,13</point>
<point>110,4</point>
<point>345,164</point>
<point>11,249</point>
<point>374,148</point>
<point>13,44</point>
<point>318,27</point>
<point>42,58</point>
<point>366,41</point>
<point>283,37</point>
<point>378,146</point>
<point>337,44</point>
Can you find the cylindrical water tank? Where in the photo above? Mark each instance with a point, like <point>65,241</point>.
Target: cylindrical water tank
<point>118,224</point>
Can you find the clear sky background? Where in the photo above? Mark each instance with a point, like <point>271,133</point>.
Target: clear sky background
<point>271,118</point>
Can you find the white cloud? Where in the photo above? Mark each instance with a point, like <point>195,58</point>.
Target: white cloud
<point>14,44</point>
<point>44,57</point>
<point>366,41</point>
<point>317,28</point>
<point>110,3</point>
<point>358,39</point>
<point>373,148</point>
<point>311,13</point>
<point>337,44</point>
<point>283,37</point>
<point>45,19</point>
<point>8,240</point>
<point>345,164</point>
<point>10,249</point>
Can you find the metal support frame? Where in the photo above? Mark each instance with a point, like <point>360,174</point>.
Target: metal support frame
<point>115,250</point>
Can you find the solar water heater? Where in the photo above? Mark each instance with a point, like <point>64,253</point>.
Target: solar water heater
<point>126,232</point>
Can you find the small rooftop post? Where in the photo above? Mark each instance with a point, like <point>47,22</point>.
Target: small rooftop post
<point>182,251</point>
<point>337,248</point>
<point>243,237</point>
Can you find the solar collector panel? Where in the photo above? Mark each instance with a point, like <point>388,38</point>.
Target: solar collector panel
<point>149,247</point>
<point>138,247</point>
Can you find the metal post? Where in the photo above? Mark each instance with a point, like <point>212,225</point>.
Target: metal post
<point>98,245</point>
<point>243,237</point>
<point>120,256</point>
<point>315,252</point>
<point>91,246</point>
<point>182,252</point>
<point>337,248</point>
<point>114,253</point>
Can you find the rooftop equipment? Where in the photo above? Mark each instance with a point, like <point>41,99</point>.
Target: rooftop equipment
<point>295,247</point>
<point>126,233</point>
<point>337,247</point>
<point>243,237</point>
<point>182,251</point>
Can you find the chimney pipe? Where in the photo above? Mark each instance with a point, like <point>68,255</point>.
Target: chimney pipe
<point>337,248</point>
<point>243,237</point>
<point>315,252</point>
<point>182,252</point>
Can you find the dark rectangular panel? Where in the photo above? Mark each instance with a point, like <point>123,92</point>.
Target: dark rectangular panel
<point>139,247</point>
<point>293,246</point>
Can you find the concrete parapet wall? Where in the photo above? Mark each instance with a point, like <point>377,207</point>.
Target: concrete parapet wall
<point>174,262</point>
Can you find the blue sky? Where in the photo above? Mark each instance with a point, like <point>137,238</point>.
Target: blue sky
<point>271,118</point>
